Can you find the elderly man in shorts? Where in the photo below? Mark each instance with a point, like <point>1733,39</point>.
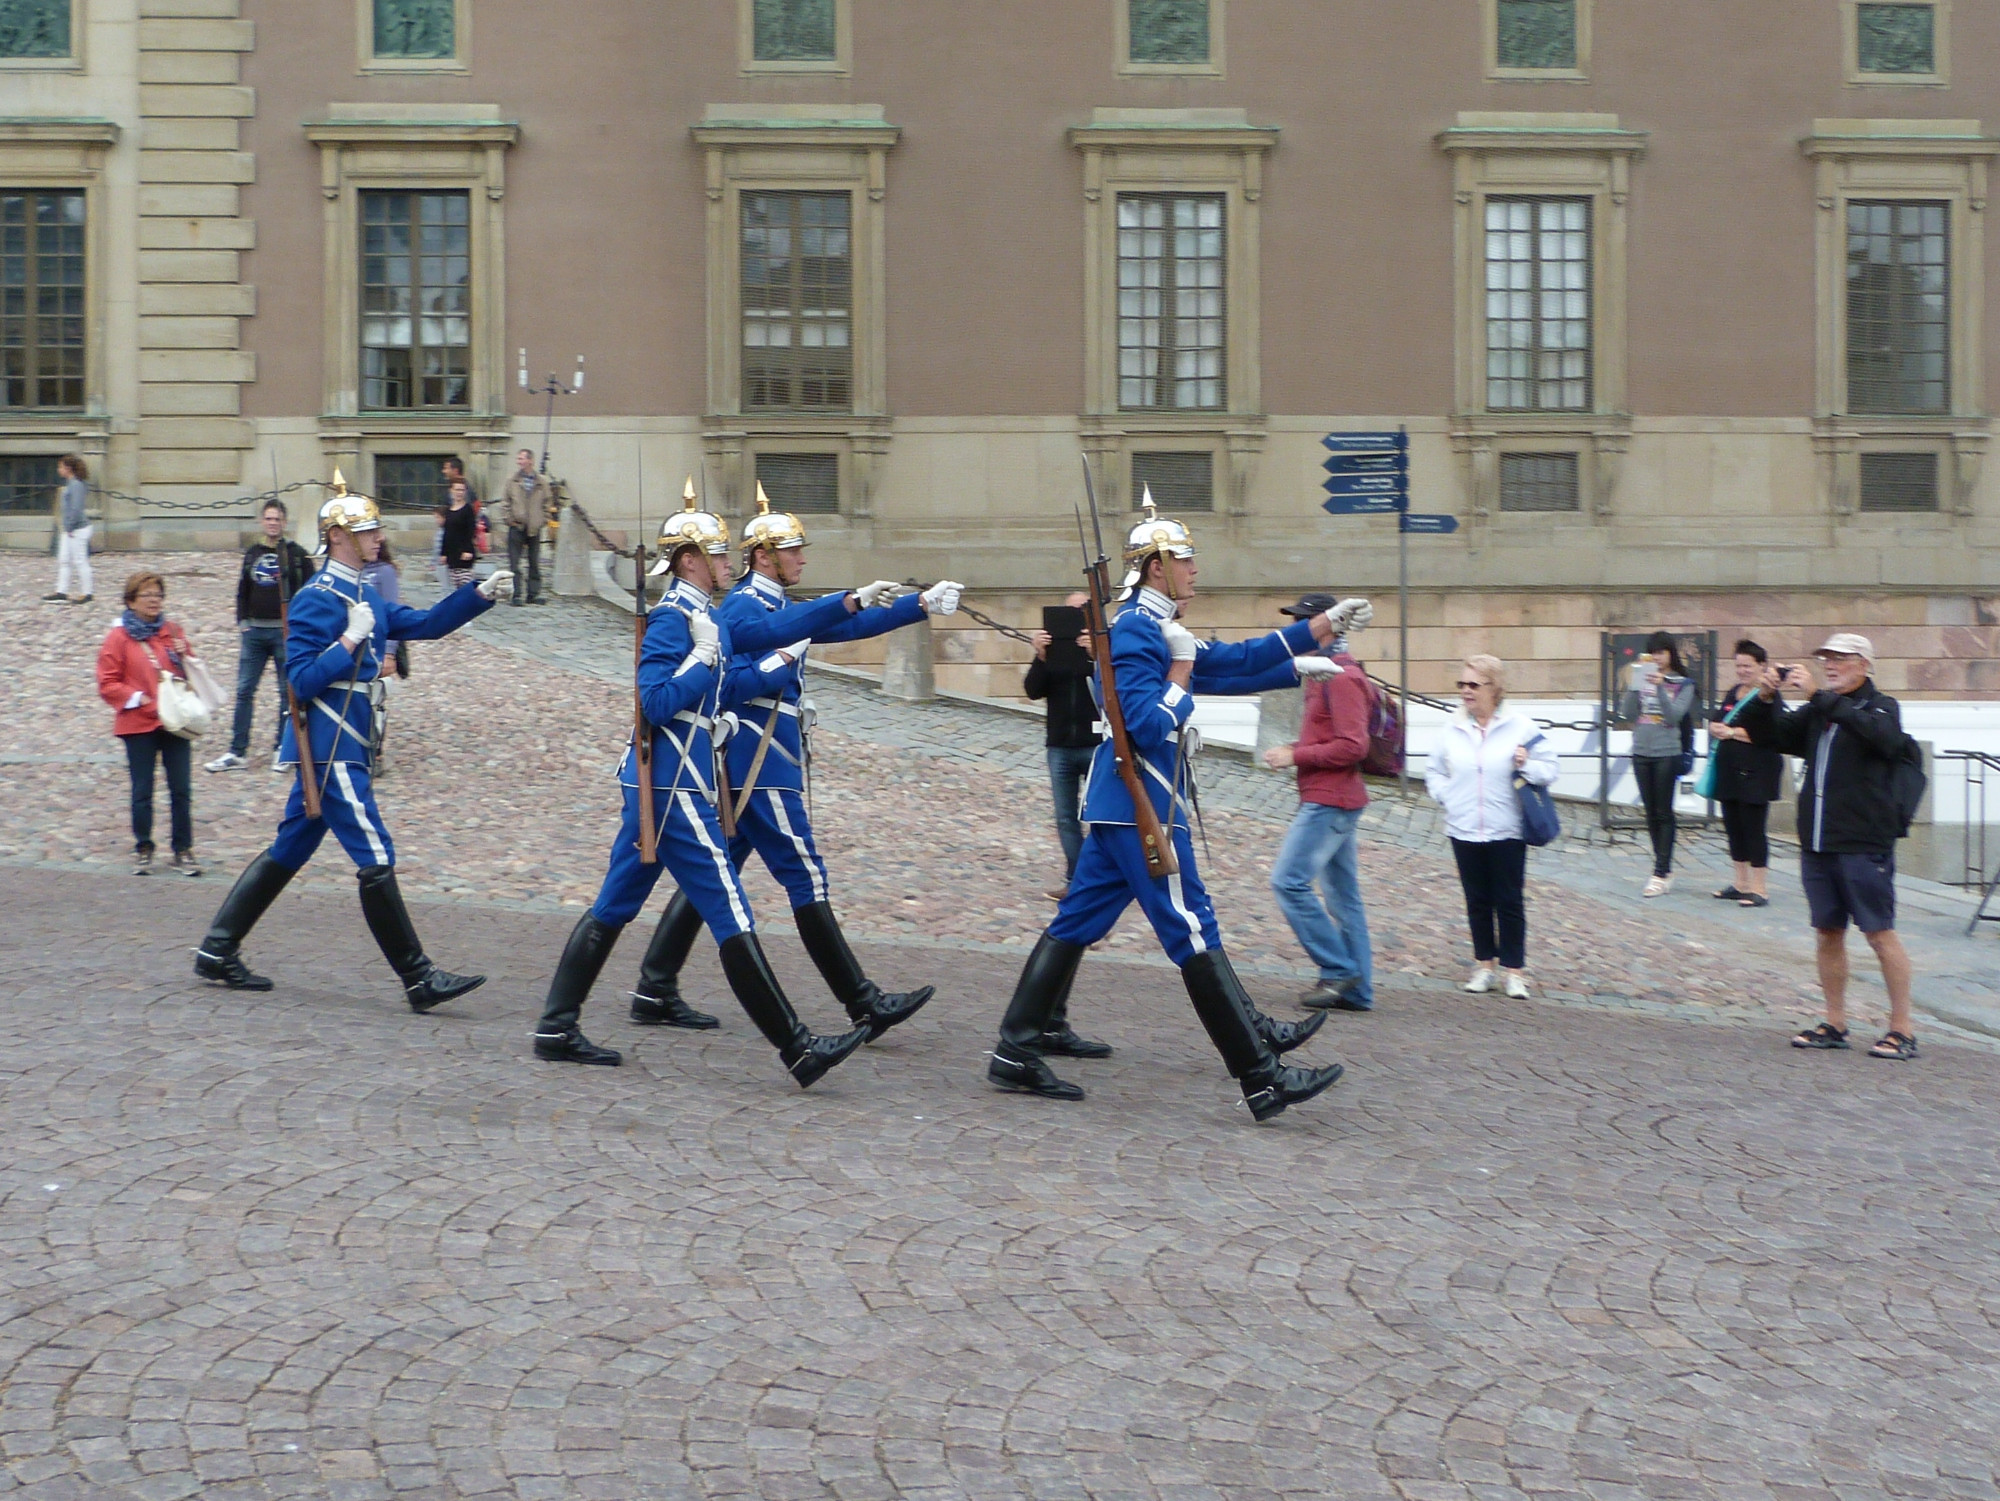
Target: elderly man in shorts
<point>1857,757</point>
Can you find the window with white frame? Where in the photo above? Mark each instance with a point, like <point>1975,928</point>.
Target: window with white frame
<point>1171,328</point>
<point>1898,306</point>
<point>1538,314</point>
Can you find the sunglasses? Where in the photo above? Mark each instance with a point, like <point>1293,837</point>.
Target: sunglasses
<point>1466,683</point>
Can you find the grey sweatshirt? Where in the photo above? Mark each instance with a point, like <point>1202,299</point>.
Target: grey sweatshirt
<point>1655,713</point>
<point>75,494</point>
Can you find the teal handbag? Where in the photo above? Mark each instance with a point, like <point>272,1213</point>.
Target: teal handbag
<point>1704,787</point>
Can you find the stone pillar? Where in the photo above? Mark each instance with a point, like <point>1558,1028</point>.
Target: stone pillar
<point>1278,716</point>
<point>909,670</point>
<point>570,575</point>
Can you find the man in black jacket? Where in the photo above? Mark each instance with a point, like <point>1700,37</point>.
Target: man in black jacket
<point>1851,737</point>
<point>259,622</point>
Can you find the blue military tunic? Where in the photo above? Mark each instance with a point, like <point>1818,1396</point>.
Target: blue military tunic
<point>768,690</point>
<point>1111,871</point>
<point>331,685</point>
<point>681,698</point>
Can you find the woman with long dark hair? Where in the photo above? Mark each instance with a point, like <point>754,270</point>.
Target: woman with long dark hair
<point>1659,695</point>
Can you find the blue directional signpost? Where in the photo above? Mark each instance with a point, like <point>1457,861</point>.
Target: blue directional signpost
<point>1368,474</point>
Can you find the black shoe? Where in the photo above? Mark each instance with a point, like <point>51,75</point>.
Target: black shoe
<point>669,1011</point>
<point>573,1047</point>
<point>1269,1089</point>
<point>868,1004</point>
<point>1327,995</point>
<point>1282,1037</point>
<point>810,1061</point>
<point>437,987</point>
<point>1064,1042</point>
<point>763,1001</point>
<point>227,969</point>
<point>1020,1072</point>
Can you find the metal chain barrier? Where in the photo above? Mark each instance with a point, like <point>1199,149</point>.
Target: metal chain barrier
<point>215,508</point>
<point>602,541</point>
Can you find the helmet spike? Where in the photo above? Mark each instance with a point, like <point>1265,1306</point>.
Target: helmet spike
<point>339,481</point>
<point>688,496</point>
<point>1146,500</point>
<point>763,500</point>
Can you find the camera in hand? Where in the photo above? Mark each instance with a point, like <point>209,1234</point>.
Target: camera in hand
<point>1064,623</point>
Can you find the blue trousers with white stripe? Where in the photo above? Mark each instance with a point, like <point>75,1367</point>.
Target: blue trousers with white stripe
<point>691,849</point>
<point>1111,875</point>
<point>773,823</point>
<point>347,806</point>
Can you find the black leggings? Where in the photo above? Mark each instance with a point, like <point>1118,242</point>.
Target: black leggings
<point>1656,776</point>
<point>1494,874</point>
<point>172,752</point>
<point>1748,843</point>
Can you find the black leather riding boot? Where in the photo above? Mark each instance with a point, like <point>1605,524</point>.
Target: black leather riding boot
<point>867,1004</point>
<point>557,1036</point>
<point>657,1002</point>
<point>1279,1037</point>
<point>808,1057</point>
<point>249,899</point>
<point>1017,1058</point>
<point>1061,1039</point>
<point>1225,1012</point>
<point>424,984</point>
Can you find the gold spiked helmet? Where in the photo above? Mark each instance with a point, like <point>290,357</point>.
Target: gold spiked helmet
<point>1155,536</point>
<point>349,511</point>
<point>773,529</point>
<point>690,527</point>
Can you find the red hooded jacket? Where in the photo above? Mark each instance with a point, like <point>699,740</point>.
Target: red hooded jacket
<point>1333,738</point>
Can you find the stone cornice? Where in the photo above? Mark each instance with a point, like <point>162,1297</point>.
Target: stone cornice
<point>57,130</point>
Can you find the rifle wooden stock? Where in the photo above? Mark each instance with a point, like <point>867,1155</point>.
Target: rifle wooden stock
<point>1153,839</point>
<point>308,778</point>
<point>642,732</point>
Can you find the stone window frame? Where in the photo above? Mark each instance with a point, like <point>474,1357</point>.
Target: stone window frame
<point>1547,155</point>
<point>367,62</point>
<point>749,65</point>
<point>1214,67</point>
<point>428,148</point>
<point>59,154</point>
<point>796,148</point>
<point>1925,161</point>
<point>1489,20</point>
<point>72,62</point>
<point>1850,48</point>
<point>1215,151</point>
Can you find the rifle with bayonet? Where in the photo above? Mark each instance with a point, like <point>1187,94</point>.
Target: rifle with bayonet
<point>1153,839</point>
<point>308,779</point>
<point>642,732</point>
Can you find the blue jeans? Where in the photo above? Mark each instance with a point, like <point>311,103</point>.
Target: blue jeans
<point>1321,850</point>
<point>261,644</point>
<point>172,753</point>
<point>1068,765</point>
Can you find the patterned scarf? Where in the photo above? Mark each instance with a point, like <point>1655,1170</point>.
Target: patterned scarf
<point>139,628</point>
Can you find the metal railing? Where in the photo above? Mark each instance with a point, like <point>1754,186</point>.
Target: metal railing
<point>1976,768</point>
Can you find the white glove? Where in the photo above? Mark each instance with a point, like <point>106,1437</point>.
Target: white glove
<point>942,597</point>
<point>707,640</point>
<point>878,593</point>
<point>1316,667</point>
<point>1350,614</point>
<point>1180,640</point>
<point>722,727</point>
<point>499,582</point>
<point>360,622</point>
<point>797,649</point>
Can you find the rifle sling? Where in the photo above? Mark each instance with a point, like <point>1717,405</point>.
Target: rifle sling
<point>757,762</point>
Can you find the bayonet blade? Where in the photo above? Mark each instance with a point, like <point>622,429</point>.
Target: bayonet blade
<point>1097,525</point>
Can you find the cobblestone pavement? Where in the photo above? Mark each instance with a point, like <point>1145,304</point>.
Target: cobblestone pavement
<point>308,1245</point>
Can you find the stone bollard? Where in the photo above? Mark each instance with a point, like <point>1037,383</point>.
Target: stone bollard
<point>1278,716</point>
<point>571,574</point>
<point>909,669</point>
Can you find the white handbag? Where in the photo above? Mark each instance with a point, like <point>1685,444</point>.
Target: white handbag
<point>180,709</point>
<point>204,684</point>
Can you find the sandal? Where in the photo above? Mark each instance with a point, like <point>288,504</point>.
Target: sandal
<point>1825,1035</point>
<point>1752,899</point>
<point>1729,894</point>
<point>1894,1045</point>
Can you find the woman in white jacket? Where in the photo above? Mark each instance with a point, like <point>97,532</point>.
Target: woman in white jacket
<point>1471,771</point>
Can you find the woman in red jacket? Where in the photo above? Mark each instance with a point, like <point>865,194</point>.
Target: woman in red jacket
<point>136,651</point>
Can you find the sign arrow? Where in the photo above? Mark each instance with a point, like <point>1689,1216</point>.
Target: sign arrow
<point>1364,505</point>
<point>1367,463</point>
<point>1367,484</point>
<point>1436,525</point>
<point>1365,442</point>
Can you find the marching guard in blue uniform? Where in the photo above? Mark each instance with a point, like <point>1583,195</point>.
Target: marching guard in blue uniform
<point>1159,666</point>
<point>683,673</point>
<point>338,636</point>
<point>768,757</point>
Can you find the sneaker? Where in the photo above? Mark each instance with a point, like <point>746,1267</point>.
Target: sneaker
<point>142,861</point>
<point>227,761</point>
<point>1658,886</point>
<point>55,596</point>
<point>1057,893</point>
<point>1325,993</point>
<point>1481,981</point>
<point>185,863</point>
<point>279,763</point>
<point>1517,988</point>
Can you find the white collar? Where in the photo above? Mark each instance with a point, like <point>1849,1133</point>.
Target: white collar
<point>342,571</point>
<point>1156,604</point>
<point>687,595</point>
<point>768,588</point>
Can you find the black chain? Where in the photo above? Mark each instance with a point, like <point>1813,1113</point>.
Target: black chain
<point>602,541</point>
<point>214,507</point>
<point>993,625</point>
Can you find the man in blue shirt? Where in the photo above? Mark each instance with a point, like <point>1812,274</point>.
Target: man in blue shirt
<point>1159,666</point>
<point>768,757</point>
<point>339,636</point>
